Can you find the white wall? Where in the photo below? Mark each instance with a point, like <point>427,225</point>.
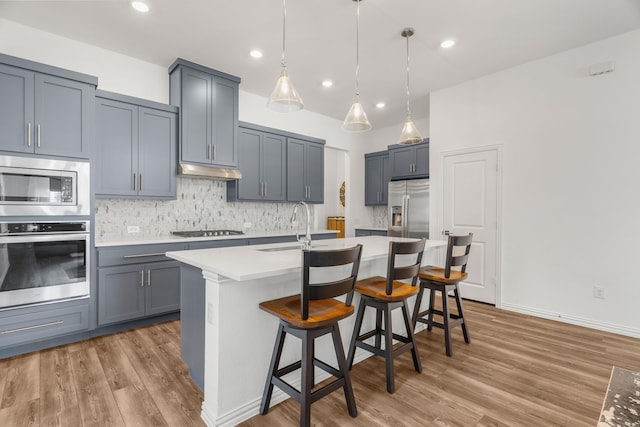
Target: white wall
<point>571,202</point>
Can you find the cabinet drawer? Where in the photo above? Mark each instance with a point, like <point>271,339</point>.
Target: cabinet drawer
<point>23,328</point>
<point>136,254</point>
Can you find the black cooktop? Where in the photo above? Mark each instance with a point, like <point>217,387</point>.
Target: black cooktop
<point>206,233</point>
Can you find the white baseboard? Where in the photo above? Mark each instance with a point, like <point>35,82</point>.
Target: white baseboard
<point>574,320</point>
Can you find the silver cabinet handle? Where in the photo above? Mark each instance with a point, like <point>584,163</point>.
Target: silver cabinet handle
<point>142,255</point>
<point>134,182</point>
<point>38,135</point>
<point>208,151</point>
<point>148,278</point>
<point>140,182</point>
<point>28,134</point>
<point>265,189</point>
<point>28,328</point>
<point>142,278</point>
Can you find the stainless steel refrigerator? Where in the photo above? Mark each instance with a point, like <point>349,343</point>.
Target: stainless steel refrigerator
<point>409,208</point>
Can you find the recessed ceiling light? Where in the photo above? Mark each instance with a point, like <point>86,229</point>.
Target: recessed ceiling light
<point>140,6</point>
<point>327,83</point>
<point>256,53</point>
<point>447,44</point>
<point>381,105</point>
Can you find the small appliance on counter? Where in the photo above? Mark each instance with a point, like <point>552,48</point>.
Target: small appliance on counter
<point>409,208</point>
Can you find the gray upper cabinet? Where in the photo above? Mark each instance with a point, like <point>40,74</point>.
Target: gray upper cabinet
<point>409,161</point>
<point>208,101</point>
<point>42,113</point>
<point>262,157</point>
<point>136,147</point>
<point>305,170</point>
<point>377,175</point>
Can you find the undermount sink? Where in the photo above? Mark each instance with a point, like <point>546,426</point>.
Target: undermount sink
<point>288,248</point>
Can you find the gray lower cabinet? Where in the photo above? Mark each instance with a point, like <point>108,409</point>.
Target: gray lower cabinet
<point>23,326</point>
<point>48,114</point>
<point>305,171</point>
<point>137,281</point>
<point>360,232</point>
<point>409,161</point>
<point>377,175</point>
<point>208,101</point>
<point>136,147</point>
<point>261,159</point>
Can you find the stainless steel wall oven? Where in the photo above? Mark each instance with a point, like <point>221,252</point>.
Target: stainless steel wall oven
<point>43,261</point>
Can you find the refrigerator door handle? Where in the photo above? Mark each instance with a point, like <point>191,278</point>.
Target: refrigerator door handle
<point>405,216</point>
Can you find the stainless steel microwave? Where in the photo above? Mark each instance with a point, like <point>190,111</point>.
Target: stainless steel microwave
<point>36,186</point>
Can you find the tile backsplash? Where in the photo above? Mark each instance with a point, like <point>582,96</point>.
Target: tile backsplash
<point>380,216</point>
<point>201,205</point>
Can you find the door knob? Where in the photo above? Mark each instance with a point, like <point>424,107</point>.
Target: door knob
<point>446,232</point>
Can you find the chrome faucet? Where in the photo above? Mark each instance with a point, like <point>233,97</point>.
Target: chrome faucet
<point>306,240</point>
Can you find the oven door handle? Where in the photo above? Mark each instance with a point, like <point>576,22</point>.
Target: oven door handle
<point>45,238</point>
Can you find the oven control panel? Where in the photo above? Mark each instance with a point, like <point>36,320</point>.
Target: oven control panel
<point>21,228</point>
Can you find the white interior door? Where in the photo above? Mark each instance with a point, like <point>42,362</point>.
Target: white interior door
<point>470,205</point>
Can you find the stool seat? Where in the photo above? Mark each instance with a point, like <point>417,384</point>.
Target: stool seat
<point>437,274</point>
<point>321,312</point>
<point>375,287</point>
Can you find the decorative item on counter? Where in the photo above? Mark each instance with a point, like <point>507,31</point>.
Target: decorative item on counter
<point>342,194</point>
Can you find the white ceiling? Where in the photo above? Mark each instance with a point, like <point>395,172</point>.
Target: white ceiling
<point>491,35</point>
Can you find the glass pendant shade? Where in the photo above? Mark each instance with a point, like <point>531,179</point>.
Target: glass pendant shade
<point>284,97</point>
<point>410,134</point>
<point>356,120</point>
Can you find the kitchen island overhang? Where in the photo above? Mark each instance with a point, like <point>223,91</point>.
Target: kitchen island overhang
<point>238,336</point>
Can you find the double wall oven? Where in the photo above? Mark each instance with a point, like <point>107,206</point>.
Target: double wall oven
<point>44,230</point>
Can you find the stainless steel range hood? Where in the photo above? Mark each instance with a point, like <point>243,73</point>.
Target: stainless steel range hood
<point>210,172</point>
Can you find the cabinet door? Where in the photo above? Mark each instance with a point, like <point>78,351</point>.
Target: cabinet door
<point>422,160</point>
<point>386,177</point>
<point>224,150</point>
<point>117,154</point>
<point>120,294</point>
<point>162,287</point>
<point>402,160</point>
<point>274,172</point>
<point>296,185</point>
<point>17,107</point>
<point>373,175</point>
<point>314,171</point>
<point>156,153</point>
<point>249,146</point>
<point>195,113</point>
<point>62,109</point>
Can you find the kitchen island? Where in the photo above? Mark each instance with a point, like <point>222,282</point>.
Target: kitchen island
<point>238,337</point>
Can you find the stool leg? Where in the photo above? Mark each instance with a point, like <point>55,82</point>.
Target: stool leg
<point>445,320</point>
<point>342,366</point>
<point>388,349</point>
<point>456,292</point>
<point>307,380</point>
<point>356,332</point>
<point>273,367</point>
<point>378,327</point>
<point>414,349</point>
<point>432,297</point>
<point>416,308</point>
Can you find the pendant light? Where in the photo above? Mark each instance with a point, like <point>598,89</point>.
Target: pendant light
<point>284,97</point>
<point>356,120</point>
<point>410,134</point>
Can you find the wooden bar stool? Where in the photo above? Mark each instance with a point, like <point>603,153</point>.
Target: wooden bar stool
<point>386,294</point>
<point>445,280</point>
<point>310,315</point>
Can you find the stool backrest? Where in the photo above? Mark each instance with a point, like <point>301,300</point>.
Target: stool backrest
<point>326,290</point>
<point>457,260</point>
<point>404,272</point>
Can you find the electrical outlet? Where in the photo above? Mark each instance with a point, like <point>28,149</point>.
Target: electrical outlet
<point>248,225</point>
<point>133,229</point>
<point>598,292</point>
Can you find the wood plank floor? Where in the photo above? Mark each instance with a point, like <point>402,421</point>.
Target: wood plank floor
<point>517,371</point>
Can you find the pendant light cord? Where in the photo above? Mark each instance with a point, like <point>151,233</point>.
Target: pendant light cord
<point>284,21</point>
<point>357,49</point>
<point>408,94</point>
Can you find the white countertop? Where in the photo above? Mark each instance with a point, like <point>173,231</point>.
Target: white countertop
<point>253,262</point>
<point>142,240</point>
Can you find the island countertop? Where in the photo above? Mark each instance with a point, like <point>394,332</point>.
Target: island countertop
<point>241,263</point>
